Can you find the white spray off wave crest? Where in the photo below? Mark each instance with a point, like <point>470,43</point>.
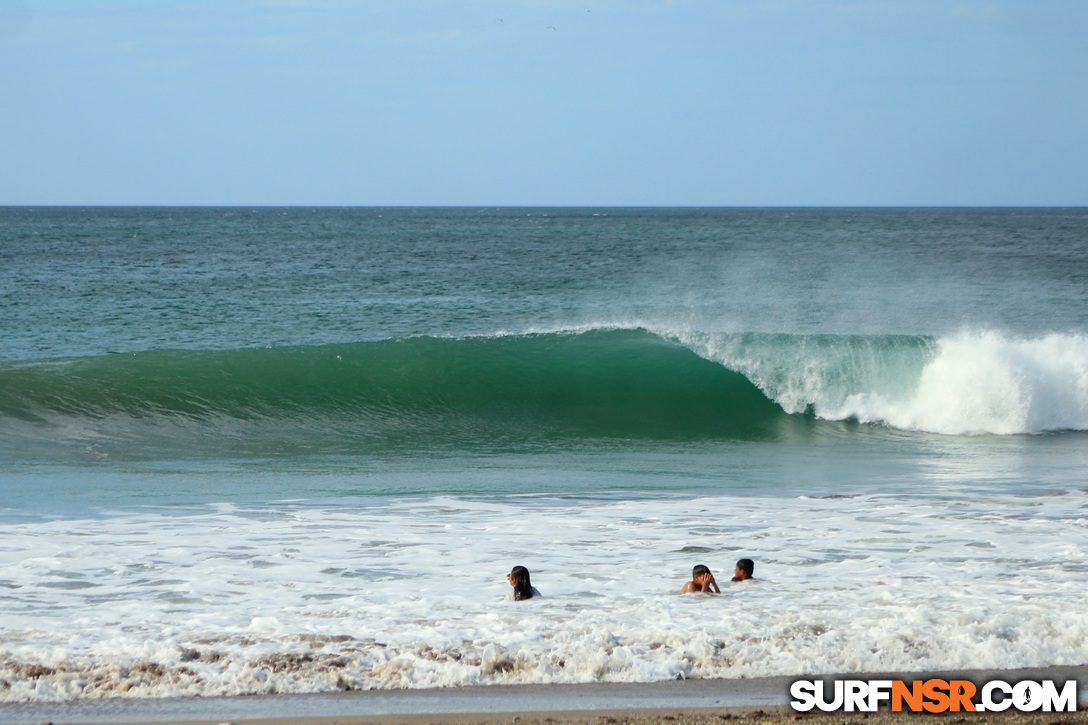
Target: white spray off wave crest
<point>990,383</point>
<point>972,383</point>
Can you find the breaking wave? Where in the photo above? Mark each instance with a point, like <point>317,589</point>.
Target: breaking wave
<point>544,389</point>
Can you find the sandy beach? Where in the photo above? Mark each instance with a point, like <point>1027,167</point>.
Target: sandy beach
<point>688,702</point>
<point>657,716</point>
<point>738,716</point>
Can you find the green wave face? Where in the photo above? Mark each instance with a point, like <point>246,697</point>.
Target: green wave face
<point>418,392</point>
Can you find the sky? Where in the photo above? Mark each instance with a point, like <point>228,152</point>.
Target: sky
<point>544,102</point>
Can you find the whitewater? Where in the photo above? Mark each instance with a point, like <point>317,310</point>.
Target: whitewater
<point>261,451</point>
<point>962,384</point>
<point>305,598</point>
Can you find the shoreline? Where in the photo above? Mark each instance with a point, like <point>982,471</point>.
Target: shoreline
<point>677,702</point>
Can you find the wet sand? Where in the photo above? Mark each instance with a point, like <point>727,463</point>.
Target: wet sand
<point>730,716</point>
<point>691,702</point>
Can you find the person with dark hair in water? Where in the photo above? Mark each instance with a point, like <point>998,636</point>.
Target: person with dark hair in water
<point>744,570</point>
<point>521,587</point>
<point>701,581</point>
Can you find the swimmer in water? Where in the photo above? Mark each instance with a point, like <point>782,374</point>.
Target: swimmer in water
<point>744,570</point>
<point>521,587</point>
<point>701,581</point>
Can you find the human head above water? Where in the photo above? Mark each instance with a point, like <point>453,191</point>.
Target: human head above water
<point>744,570</point>
<point>519,579</point>
<point>699,570</point>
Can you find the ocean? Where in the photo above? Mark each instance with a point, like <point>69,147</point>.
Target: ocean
<point>293,450</point>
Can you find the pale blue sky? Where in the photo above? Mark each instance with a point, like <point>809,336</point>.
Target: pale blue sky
<point>544,102</point>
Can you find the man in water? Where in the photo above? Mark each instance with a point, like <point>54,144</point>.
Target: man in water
<point>744,570</point>
<point>701,581</point>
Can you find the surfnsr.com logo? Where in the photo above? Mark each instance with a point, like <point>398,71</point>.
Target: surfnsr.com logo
<point>933,696</point>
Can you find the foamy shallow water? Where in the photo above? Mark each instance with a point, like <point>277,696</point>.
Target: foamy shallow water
<point>296,597</point>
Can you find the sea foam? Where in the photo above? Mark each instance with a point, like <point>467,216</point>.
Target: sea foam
<point>297,598</point>
<point>990,383</point>
<point>970,383</point>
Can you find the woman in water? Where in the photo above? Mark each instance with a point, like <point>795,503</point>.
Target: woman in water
<point>522,587</point>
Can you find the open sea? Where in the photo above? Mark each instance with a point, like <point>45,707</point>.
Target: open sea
<point>287,450</point>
